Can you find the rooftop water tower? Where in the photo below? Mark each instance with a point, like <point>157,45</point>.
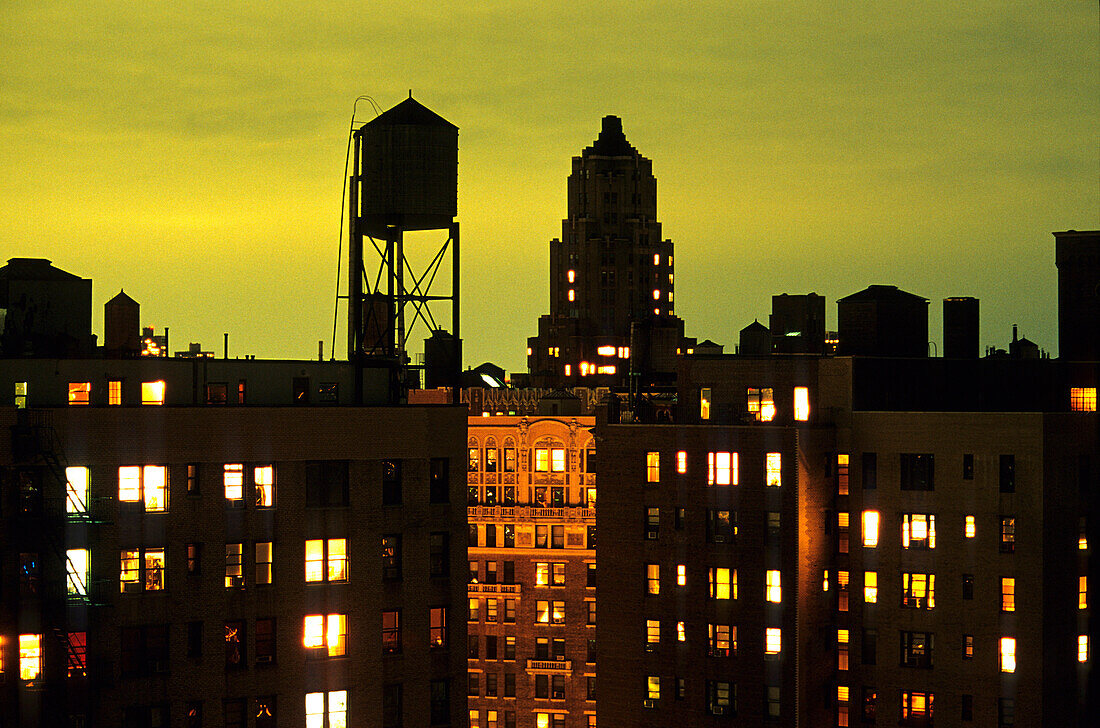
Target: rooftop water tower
<point>404,177</point>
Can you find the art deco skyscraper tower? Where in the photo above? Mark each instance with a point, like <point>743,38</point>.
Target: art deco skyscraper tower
<point>611,276</point>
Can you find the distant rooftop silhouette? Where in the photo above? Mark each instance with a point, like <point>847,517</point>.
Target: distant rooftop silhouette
<point>409,112</point>
<point>612,142</point>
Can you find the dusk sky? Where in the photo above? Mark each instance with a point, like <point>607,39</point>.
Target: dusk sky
<point>193,154</point>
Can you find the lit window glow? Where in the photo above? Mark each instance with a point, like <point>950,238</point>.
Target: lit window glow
<point>1082,648</point>
<point>721,468</point>
<point>870,529</point>
<point>1082,399</point>
<point>653,578</point>
<point>870,587</point>
<point>1082,592</point>
<point>1008,654</point>
<point>148,483</point>
<point>653,467</point>
<point>233,478</point>
<point>605,369</point>
<point>681,633</point>
<point>606,351</point>
<point>971,528</point>
<point>721,584</point>
<point>802,404</point>
<point>656,294</point>
<point>653,631</point>
<point>918,530</point>
<point>264,478</point>
<point>76,572</point>
<point>1008,594</point>
<point>773,640</point>
<point>114,392</point>
<point>76,489</point>
<point>152,393</point>
<point>30,656</point>
<point>773,590</point>
<point>681,575</point>
<point>572,295</point>
<point>704,403</point>
<point>572,276</point>
<point>773,477</point>
<point>326,631</point>
<point>327,710</point>
<point>681,462</point>
<point>80,393</point>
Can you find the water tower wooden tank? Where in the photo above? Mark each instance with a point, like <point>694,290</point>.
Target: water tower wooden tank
<point>404,177</point>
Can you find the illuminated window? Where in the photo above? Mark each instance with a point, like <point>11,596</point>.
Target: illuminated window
<point>606,351</point>
<point>681,632</point>
<point>327,710</point>
<point>918,531</point>
<point>391,632</point>
<point>437,629</point>
<point>1008,534</point>
<point>568,370</point>
<point>1082,648</point>
<point>1082,592</point>
<point>114,392</point>
<point>141,570</point>
<point>918,591</point>
<point>572,295</point>
<point>842,461</point>
<point>773,590</point>
<point>916,706</point>
<point>30,656</point>
<point>264,479</point>
<point>971,527</point>
<point>722,468</point>
<point>653,578</point>
<point>1008,654</point>
<point>916,649</point>
<point>1082,534</point>
<point>152,393</point>
<point>723,582</point>
<point>870,587</point>
<point>801,404</point>
<point>572,276</point>
<point>130,576</point>
<point>233,478</point>
<point>557,612</point>
<point>1008,594</point>
<point>656,294</point>
<point>681,575</point>
<point>329,632</point>
<point>1082,399</point>
<point>78,655</point>
<point>842,649</point>
<point>80,393</point>
<point>773,641</point>
<point>721,640</point>
<point>234,566</point>
<point>76,490</point>
<point>653,631</point>
<point>968,647</point>
<point>842,591</point>
<point>653,467</point>
<point>704,403</point>
<point>773,470</point>
<point>147,483</point>
<point>326,559</point>
<point>606,369</point>
<point>264,559</point>
<point>870,529</point>
<point>681,462</point>
<point>842,523</point>
<point>761,403</point>
<point>76,572</point>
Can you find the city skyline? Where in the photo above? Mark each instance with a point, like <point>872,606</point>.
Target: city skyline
<point>194,158</point>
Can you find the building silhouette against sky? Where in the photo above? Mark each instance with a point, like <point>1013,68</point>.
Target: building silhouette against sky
<point>612,276</point>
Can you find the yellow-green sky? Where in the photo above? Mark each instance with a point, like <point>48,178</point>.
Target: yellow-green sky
<point>193,153</point>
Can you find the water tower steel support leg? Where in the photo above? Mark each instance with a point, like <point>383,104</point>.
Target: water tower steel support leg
<point>456,397</point>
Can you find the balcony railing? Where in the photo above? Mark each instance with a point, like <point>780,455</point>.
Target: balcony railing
<point>513,589</point>
<point>549,666</point>
<point>530,513</point>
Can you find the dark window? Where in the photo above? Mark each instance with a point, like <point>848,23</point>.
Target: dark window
<point>439,554</point>
<point>217,393</point>
<point>917,471</point>
<point>328,392</point>
<point>869,647</point>
<point>557,537</point>
<point>391,557</point>
<point>192,479</point>
<point>473,684</point>
<point>326,483</point>
<point>1006,712</point>
<point>870,470</point>
<point>194,559</point>
<point>681,516</point>
<point>490,647</point>
<point>439,702</point>
<point>592,537</point>
<point>590,655</point>
<point>1008,534</point>
<point>870,703</point>
<point>591,692</point>
<point>509,683</point>
<point>194,640</point>
<point>721,697</point>
<point>591,572</point>
<point>235,645</point>
<point>509,572</point>
<point>439,481</point>
<point>509,536</point>
<point>391,483</point>
<point>241,388</point>
<point>721,526</point>
<point>590,460</point>
<point>491,685</point>
<point>1008,473</point>
<point>652,522</point>
<point>144,650</point>
<point>391,632</point>
<point>192,714</point>
<point>265,640</point>
<point>490,536</point>
<point>916,649</point>
<point>968,707</point>
<point>266,716</point>
<point>490,572</point>
<point>392,708</point>
<point>233,711</point>
<point>773,525</point>
<point>473,644</point>
<point>301,390</point>
<point>968,586</point>
<point>968,466</point>
<point>542,686</point>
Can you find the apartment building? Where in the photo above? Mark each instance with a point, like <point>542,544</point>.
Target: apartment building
<point>532,636</point>
<point>227,543</point>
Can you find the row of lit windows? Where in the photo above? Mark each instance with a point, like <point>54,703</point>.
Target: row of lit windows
<point>80,393</point>
<point>539,496</point>
<point>545,536</point>
<point>918,531</point>
<point>721,696</point>
<point>721,638</point>
<point>722,468</point>
<point>760,403</point>
<point>507,719</point>
<point>721,581</point>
